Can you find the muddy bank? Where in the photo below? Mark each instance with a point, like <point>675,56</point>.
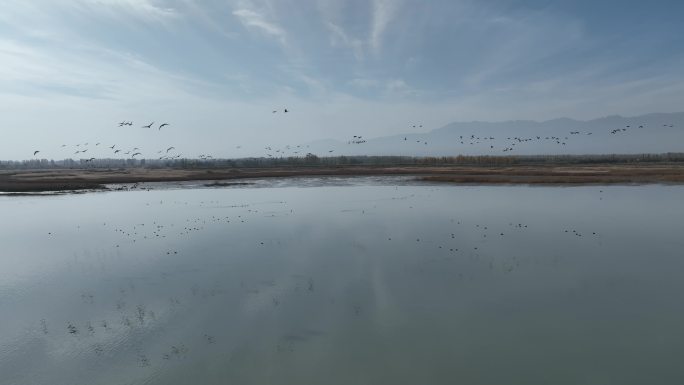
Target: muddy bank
<point>76,180</point>
<point>566,175</point>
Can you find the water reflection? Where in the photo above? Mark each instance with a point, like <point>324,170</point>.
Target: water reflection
<point>361,281</point>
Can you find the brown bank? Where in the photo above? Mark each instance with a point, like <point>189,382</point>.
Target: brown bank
<point>76,179</point>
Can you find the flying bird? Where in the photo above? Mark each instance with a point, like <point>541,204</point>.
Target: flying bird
<point>35,152</point>
<point>137,153</point>
<point>162,125</point>
<point>149,125</point>
<point>170,148</point>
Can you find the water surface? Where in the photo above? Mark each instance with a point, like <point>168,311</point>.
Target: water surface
<point>344,281</point>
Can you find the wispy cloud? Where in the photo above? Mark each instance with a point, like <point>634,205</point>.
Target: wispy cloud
<point>365,82</point>
<point>340,38</point>
<point>383,13</point>
<point>142,10</point>
<point>256,21</point>
<point>516,44</point>
<point>389,88</point>
<point>399,87</point>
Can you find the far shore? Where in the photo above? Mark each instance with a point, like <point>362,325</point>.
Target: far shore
<point>24,181</point>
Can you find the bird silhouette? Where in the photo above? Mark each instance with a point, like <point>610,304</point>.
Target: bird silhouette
<point>35,152</point>
<point>149,125</point>
<point>163,125</point>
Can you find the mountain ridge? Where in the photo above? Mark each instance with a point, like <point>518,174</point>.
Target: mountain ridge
<point>649,133</point>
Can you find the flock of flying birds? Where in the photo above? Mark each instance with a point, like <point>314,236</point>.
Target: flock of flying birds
<point>82,148</point>
<point>513,141</point>
<point>516,140</point>
<point>298,150</point>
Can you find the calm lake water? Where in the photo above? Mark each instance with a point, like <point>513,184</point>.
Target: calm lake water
<point>344,281</point>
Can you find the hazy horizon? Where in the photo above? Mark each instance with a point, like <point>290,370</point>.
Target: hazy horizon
<point>655,133</point>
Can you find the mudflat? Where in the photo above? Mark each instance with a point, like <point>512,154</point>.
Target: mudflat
<point>570,174</point>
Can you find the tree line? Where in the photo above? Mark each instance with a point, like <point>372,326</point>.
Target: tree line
<point>311,160</point>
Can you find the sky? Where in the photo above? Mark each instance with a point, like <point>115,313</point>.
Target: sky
<point>216,69</point>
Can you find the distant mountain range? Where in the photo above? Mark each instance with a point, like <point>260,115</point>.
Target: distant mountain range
<point>652,133</point>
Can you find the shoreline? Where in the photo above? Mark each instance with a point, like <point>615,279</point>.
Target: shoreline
<point>65,180</point>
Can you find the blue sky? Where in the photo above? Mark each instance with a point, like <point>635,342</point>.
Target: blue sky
<point>215,69</point>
